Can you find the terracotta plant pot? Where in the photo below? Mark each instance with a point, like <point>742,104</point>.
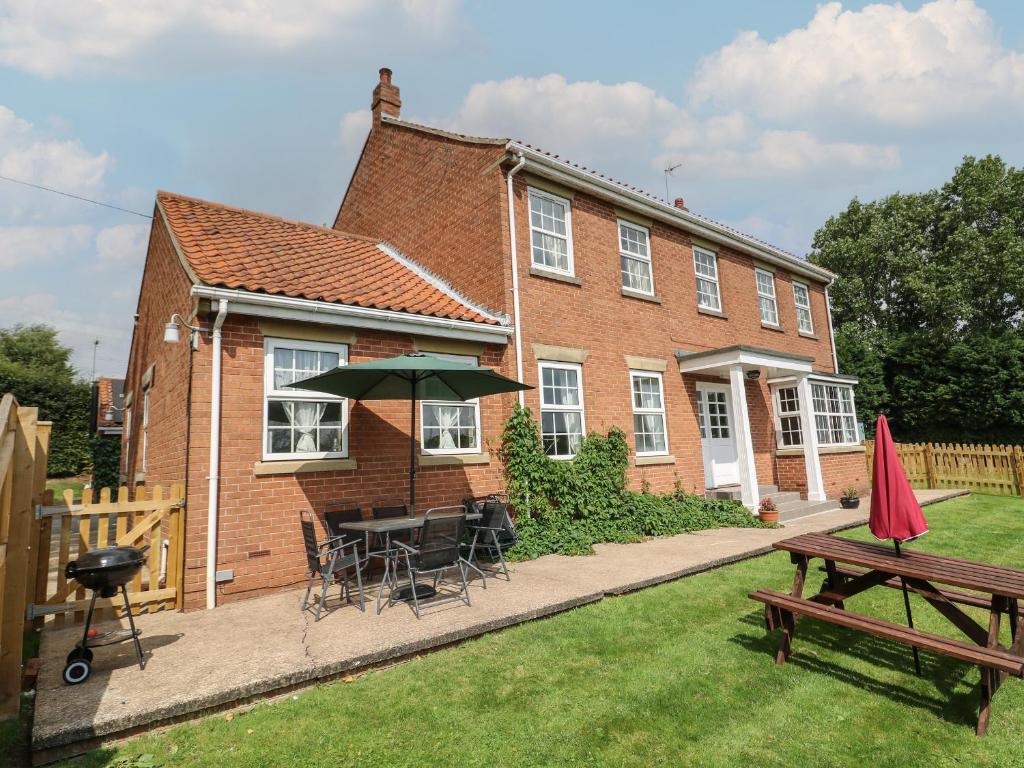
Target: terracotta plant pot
<point>769,516</point>
<point>849,502</point>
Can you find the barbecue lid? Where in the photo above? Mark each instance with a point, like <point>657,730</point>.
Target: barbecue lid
<point>107,557</point>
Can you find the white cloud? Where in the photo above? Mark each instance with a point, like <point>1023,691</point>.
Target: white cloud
<point>883,62</point>
<point>60,37</point>
<point>30,245</point>
<point>122,244</point>
<point>353,129</point>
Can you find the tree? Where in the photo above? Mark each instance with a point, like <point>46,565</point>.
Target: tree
<point>928,304</point>
<point>36,367</point>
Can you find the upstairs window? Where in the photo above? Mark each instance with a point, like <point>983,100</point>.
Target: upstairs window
<point>635,258</point>
<point>802,299</point>
<point>449,427</point>
<point>145,430</point>
<point>705,265</point>
<point>550,232</point>
<point>298,423</point>
<point>561,409</point>
<point>648,414</point>
<point>766,296</point>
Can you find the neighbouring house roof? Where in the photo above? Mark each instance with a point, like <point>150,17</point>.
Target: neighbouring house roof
<point>109,399</point>
<point>629,191</point>
<point>229,247</point>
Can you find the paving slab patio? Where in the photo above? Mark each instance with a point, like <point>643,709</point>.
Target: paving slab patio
<point>204,660</point>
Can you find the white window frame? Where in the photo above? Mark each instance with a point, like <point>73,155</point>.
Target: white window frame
<point>825,440</point>
<point>624,254</point>
<point>145,427</point>
<point>803,307</point>
<point>533,192</point>
<point>272,394</point>
<point>127,436</point>
<point>714,280</point>
<point>638,374</point>
<point>543,365</point>
<point>475,402</point>
<point>766,294</point>
<point>778,415</point>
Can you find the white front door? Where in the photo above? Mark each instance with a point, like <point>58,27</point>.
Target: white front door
<point>717,441</point>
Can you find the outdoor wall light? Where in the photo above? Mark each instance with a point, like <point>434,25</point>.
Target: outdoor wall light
<point>173,336</point>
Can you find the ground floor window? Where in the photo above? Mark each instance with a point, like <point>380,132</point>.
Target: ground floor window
<point>648,413</point>
<point>835,418</point>
<point>561,408</point>
<point>297,423</point>
<point>451,427</point>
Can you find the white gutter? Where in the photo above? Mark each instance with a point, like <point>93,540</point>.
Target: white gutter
<point>211,524</point>
<point>831,333</point>
<point>571,175</point>
<point>515,274</point>
<point>325,312</point>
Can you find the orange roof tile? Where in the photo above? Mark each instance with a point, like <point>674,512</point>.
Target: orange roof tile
<point>236,248</point>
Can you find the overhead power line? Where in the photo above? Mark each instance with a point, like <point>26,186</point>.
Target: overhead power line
<point>75,197</point>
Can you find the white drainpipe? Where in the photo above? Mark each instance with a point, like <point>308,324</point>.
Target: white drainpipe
<point>831,334</point>
<point>211,524</point>
<point>521,161</point>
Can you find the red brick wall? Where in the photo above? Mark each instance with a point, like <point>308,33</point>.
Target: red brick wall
<point>839,471</point>
<point>258,535</point>
<point>437,200</point>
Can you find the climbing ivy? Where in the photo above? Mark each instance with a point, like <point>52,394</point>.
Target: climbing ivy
<point>566,507</point>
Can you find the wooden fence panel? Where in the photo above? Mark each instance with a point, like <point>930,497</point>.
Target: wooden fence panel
<point>996,469</point>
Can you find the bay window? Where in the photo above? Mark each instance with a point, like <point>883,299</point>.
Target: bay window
<point>561,408</point>
<point>835,418</point>
<point>635,258</point>
<point>449,427</point>
<point>648,413</point>
<point>300,424</point>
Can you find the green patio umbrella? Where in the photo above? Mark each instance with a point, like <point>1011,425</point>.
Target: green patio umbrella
<point>411,377</point>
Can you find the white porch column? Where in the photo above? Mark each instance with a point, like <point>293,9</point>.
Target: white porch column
<point>744,443</point>
<point>812,462</point>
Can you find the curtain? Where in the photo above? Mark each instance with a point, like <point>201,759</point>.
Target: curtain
<point>304,418</point>
<point>448,420</point>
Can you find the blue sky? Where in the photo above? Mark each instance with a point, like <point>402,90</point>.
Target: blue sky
<point>779,113</point>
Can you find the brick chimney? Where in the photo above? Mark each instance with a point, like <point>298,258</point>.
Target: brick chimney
<point>386,100</point>
<point>681,204</point>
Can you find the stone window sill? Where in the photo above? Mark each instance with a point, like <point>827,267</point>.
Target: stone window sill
<point>712,312</point>
<point>453,459</point>
<point>649,461</point>
<point>807,335</point>
<point>823,450</point>
<point>631,294</point>
<point>770,327</point>
<point>556,276</point>
<point>263,468</point>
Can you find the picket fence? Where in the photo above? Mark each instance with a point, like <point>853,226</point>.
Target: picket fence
<point>997,469</point>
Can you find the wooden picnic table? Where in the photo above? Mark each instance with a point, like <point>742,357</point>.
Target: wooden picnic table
<point>994,588</point>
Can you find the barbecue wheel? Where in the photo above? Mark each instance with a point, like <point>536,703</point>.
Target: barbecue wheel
<point>77,671</point>
<point>79,653</point>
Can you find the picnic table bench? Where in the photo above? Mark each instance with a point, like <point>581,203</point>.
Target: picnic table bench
<point>993,588</point>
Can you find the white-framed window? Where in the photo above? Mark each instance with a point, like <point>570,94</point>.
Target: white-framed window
<point>787,411</point>
<point>835,418</point>
<point>649,430</point>
<point>705,266</point>
<point>561,408</point>
<point>550,231</point>
<point>449,427</point>
<point>635,258</point>
<point>766,296</point>
<point>145,428</point>
<point>127,436</point>
<point>297,423</point>
<point>802,299</point>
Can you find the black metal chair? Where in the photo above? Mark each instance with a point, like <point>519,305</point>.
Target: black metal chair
<point>329,561</point>
<point>439,550</point>
<point>383,545</point>
<point>493,533</point>
<point>336,514</point>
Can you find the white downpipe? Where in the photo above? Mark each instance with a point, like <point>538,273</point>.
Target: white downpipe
<point>211,523</point>
<point>521,161</point>
<point>831,333</point>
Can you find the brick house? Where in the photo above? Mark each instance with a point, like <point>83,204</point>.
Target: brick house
<point>712,350</point>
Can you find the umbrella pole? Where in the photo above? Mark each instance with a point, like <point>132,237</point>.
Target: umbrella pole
<point>412,449</point>
<point>910,617</point>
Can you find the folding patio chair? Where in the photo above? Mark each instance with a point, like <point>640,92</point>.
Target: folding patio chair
<point>439,550</point>
<point>336,514</point>
<point>493,533</point>
<point>329,561</point>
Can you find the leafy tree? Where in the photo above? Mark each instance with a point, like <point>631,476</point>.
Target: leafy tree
<point>36,367</point>
<point>929,301</point>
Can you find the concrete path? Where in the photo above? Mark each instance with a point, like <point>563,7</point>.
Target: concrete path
<point>203,660</point>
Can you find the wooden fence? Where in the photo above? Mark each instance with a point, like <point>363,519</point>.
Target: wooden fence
<point>24,446</point>
<point>997,469</point>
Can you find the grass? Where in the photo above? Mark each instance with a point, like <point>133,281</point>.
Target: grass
<point>58,485</point>
<point>680,674</point>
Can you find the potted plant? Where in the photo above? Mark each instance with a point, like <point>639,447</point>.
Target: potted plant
<point>849,499</point>
<point>767,511</point>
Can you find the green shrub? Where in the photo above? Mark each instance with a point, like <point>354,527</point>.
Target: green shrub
<point>566,507</point>
<point>106,460</point>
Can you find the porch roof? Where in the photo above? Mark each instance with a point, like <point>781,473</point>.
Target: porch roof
<point>719,361</point>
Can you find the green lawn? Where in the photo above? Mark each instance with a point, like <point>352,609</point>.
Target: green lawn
<point>57,485</point>
<point>680,675</point>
